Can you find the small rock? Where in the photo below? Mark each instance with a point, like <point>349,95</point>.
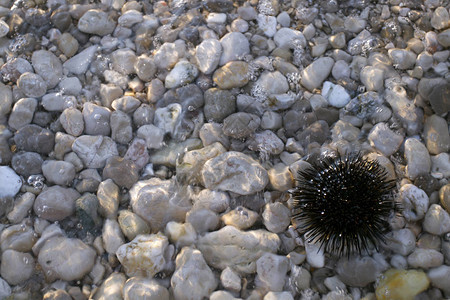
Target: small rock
<point>288,38</point>
<point>436,135</point>
<point>234,47</point>
<point>96,119</point>
<point>192,270</point>
<point>276,217</point>
<point>316,132</point>
<point>444,38</point>
<point>343,130</point>
<point>108,198</point>
<point>384,139</point>
<point>94,150</point>
<point>181,234</point>
<point>22,113</point>
<point>152,135</point>
<point>147,288</point>
<point>314,255</point>
<point>183,73</point>
<point>121,128</point>
<point>240,217</point>
<point>79,63</point>
<point>281,178</point>
<point>240,125</point>
<point>16,267</point>
<point>5,289</point>
<point>112,287</point>
<point>35,139</point>
<point>112,236</point>
<point>145,68</point>
<point>70,86</point>
<point>418,158</point>
<point>21,207</point>
<point>168,118</point>
<point>439,277</point>
<point>219,104</point>
<point>271,272</point>
<point>207,55</point>
<point>414,202</point>
<point>440,18</point>
<point>59,172</point>
<point>143,256</point>
<point>15,67</point>
<point>130,18</point>
<point>132,225</point>
<point>402,59</point>
<point>96,21</point>
<point>401,284</point>
<point>402,241</point>
<point>27,163</point>
<point>272,83</point>
<point>20,237</point>
<point>166,56</point>
<point>10,183</point>
<point>32,85</point>
<point>372,78</point>
<point>335,94</point>
<point>72,121</point>
<point>410,116</point>
<point>67,44</point>
<point>122,171</point>
<point>242,248</point>
<point>233,74</point>
<point>159,201</point>
<point>425,258</point>
<point>316,73</point>
<point>437,220</point>
<point>55,203</point>
<point>268,24</point>
<point>123,61</point>
<point>203,220</point>
<point>48,66</point>
<point>66,259</point>
<point>236,172</point>
<point>439,97</point>
<point>359,271</point>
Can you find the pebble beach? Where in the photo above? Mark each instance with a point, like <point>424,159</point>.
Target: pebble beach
<point>148,149</point>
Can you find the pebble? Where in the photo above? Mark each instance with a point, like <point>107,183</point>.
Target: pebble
<point>288,38</point>
<point>55,203</point>
<point>27,163</point>
<point>314,255</point>
<point>242,248</point>
<point>401,284</point>
<point>268,24</point>
<point>415,202</point>
<point>444,38</point>
<point>48,66</point>
<point>425,258</point>
<point>94,150</point>
<point>111,287</point>
<point>144,255</point>
<point>169,155</point>
<point>437,220</point>
<point>96,119</point>
<point>66,259</point>
<point>145,67</point>
<point>439,277</point>
<point>32,85</point>
<point>123,61</point>
<point>181,234</point>
<point>230,280</point>
<point>444,196</point>
<point>16,267</point>
<point>108,198</point>
<point>22,113</point>
<point>335,94</point>
<point>166,56</point>
<point>272,83</point>
<point>314,75</point>
<point>130,18</point>
<point>21,207</point>
<point>402,241</point>
<point>10,183</point>
<point>271,272</point>
<point>132,225</point>
<point>440,18</point>
<point>207,55</point>
<point>112,236</point>
<point>70,86</point>
<point>121,128</point>
<point>20,237</point>
<point>15,67</point>
<point>192,270</point>
<point>384,139</point>
<point>235,172</point>
<point>123,172</point>
<point>436,135</point>
<point>79,63</point>
<point>240,217</point>
<point>58,172</point>
<point>280,177</point>
<point>240,125</point>
<point>276,217</point>
<point>359,271</point>
<point>67,44</point>
<point>95,21</point>
<point>147,288</point>
<point>5,289</point>
<point>372,78</point>
<point>153,200</point>
<point>234,47</point>
<point>341,70</point>
<point>439,99</point>
<point>233,74</point>
<point>152,135</point>
<point>418,158</point>
<point>72,121</point>
<point>183,73</point>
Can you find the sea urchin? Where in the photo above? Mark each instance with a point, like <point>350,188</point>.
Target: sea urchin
<point>344,203</point>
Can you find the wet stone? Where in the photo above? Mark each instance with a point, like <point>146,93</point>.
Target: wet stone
<point>316,132</point>
<point>316,73</point>
<point>48,66</point>
<point>72,121</point>
<point>417,157</point>
<point>440,99</point>
<point>137,287</point>
<point>235,46</point>
<point>232,75</point>
<point>108,195</point>
<point>208,55</point>
<point>55,203</point>
<point>123,61</point>
<point>96,119</point>
<point>22,113</point>
<point>240,125</point>
<point>70,86</point>
<point>27,163</point>
<point>436,135</point>
<point>121,130</point>
<point>219,104</point>
<point>132,225</point>
<point>16,267</point>
<point>86,210</point>
<point>79,63</point>
<point>34,139</point>
<point>97,22</point>
<point>122,171</point>
<point>384,139</point>
<point>67,44</point>
<point>145,68</point>
<point>32,85</point>
<point>15,67</point>
<point>94,150</point>
<point>58,172</point>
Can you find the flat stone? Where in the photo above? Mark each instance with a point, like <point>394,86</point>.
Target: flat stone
<point>230,247</point>
<point>359,271</point>
<point>22,113</point>
<point>425,258</point>
<point>16,267</point>
<point>55,203</point>
<point>96,119</point>
<point>32,85</point>
<point>66,259</point>
<point>207,55</point>
<point>235,172</point>
<point>122,171</point>
<point>316,73</point>
<point>234,74</point>
<point>234,47</point>
<point>34,138</point>
<point>144,256</point>
<point>72,121</point>
<point>384,139</point>
<point>27,163</point>
<point>79,63</point>
<point>437,220</point>
<point>48,66</point>
<point>96,21</point>
<point>15,67</point>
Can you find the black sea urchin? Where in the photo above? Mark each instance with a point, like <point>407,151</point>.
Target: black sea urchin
<point>343,204</point>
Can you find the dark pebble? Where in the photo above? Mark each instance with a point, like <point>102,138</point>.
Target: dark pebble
<point>35,139</point>
<point>27,163</point>
<point>123,172</point>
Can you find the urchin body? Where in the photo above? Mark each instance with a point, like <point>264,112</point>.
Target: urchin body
<point>343,204</point>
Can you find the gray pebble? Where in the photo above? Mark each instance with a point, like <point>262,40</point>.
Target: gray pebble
<point>240,125</point>
<point>122,171</point>
<point>219,104</point>
<point>436,135</point>
<point>208,55</point>
<point>384,139</point>
<point>58,172</point>
<point>276,217</point>
<point>203,220</point>
<point>27,163</point>
<point>79,63</point>
<point>108,197</point>
<point>145,67</point>
<point>32,85</point>
<point>418,158</point>
<point>22,205</point>
<point>96,119</point>
<point>437,220</point>
<point>132,225</point>
<point>439,278</point>
<point>22,113</point>
<point>152,135</point>
<point>70,86</point>
<point>234,47</point>
<point>34,139</point>
<point>96,21</point>
<point>123,61</point>
<point>16,267</point>
<point>136,287</point>
<point>72,121</point>
<point>425,258</point>
<point>314,75</point>
<point>48,66</point>
<point>121,130</point>
<point>55,203</point>
<point>94,150</point>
